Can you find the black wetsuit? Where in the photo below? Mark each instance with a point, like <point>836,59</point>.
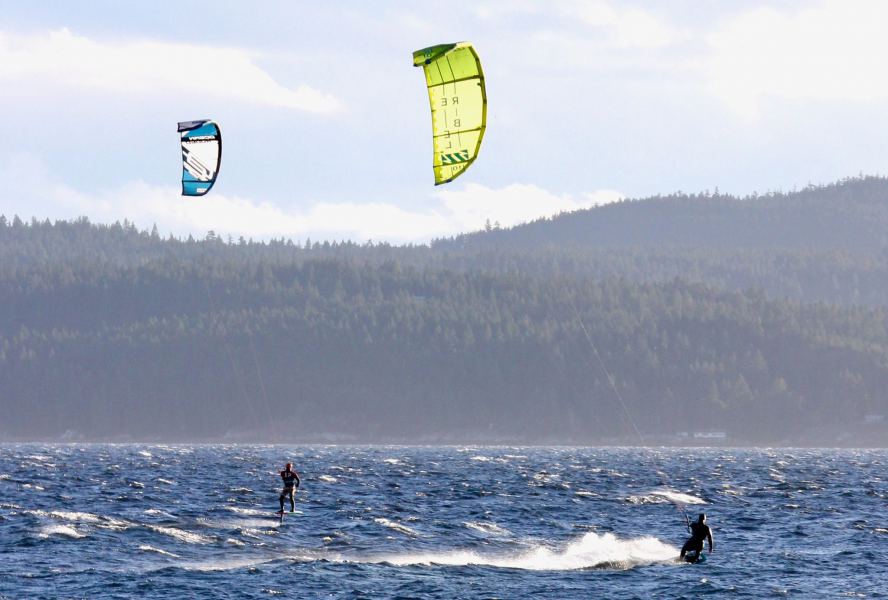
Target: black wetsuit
<point>700,532</point>
<point>291,482</point>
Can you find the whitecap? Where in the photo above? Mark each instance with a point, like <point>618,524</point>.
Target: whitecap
<point>327,479</point>
<point>166,481</point>
<point>147,548</point>
<point>241,523</point>
<point>247,511</point>
<point>678,497</point>
<point>39,457</point>
<point>66,515</point>
<point>84,517</point>
<point>63,530</point>
<point>189,537</point>
<point>486,527</point>
<point>229,564</point>
<point>396,526</point>
<point>259,533</point>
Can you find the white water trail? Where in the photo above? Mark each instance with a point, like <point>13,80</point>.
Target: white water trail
<point>588,552</point>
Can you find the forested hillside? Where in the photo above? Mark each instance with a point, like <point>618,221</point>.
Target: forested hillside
<point>109,332</point>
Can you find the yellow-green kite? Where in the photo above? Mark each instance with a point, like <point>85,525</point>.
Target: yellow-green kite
<point>459,106</point>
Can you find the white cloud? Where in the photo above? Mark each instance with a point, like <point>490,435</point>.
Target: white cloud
<point>451,211</point>
<point>627,27</point>
<point>470,207</point>
<point>619,26</point>
<point>63,59</point>
<point>834,50</point>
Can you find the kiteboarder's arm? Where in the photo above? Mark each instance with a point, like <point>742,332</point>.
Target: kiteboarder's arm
<point>709,539</point>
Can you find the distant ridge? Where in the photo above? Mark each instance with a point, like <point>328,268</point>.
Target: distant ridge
<point>756,320</point>
<point>850,215</point>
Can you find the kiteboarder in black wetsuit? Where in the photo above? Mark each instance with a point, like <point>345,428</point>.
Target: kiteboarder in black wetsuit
<point>700,532</point>
<point>291,482</point>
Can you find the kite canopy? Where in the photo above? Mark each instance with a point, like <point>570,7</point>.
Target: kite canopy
<point>459,106</point>
<point>201,156</point>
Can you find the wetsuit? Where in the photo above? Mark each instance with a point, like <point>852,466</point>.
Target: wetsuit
<point>700,532</point>
<point>291,482</point>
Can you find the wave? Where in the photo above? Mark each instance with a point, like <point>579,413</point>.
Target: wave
<point>100,521</point>
<point>244,562</point>
<point>248,511</point>
<point>39,457</point>
<point>147,548</point>
<point>189,537</point>
<point>592,551</point>
<point>241,523</point>
<point>396,526</point>
<point>327,479</point>
<point>63,530</point>
<point>660,496</point>
<point>489,528</point>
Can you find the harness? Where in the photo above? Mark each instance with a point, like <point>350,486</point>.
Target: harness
<point>290,479</point>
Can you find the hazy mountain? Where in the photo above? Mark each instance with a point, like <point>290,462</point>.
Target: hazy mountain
<point>668,315</point>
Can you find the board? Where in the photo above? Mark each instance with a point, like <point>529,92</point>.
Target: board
<point>692,558</point>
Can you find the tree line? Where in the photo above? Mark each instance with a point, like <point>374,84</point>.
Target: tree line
<point>111,332</point>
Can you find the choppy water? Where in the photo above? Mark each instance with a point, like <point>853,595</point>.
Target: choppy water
<point>392,522</point>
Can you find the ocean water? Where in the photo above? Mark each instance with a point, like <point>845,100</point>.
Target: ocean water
<point>120,521</point>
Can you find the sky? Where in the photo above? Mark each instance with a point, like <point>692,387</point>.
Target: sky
<point>326,123</point>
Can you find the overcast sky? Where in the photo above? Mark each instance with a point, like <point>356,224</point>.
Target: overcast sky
<point>326,124</point>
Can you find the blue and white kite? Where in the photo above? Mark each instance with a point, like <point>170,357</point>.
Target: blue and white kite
<point>201,156</point>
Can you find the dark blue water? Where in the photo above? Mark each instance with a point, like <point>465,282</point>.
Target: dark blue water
<point>391,522</point>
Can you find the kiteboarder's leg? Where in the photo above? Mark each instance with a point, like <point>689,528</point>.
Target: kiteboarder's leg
<point>290,493</point>
<point>281,498</point>
<point>693,545</point>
